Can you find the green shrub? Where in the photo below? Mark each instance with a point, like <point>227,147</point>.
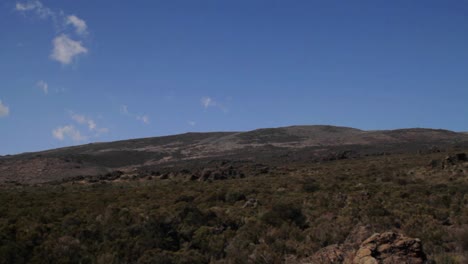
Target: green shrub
<point>285,212</point>
<point>234,196</point>
<point>310,187</point>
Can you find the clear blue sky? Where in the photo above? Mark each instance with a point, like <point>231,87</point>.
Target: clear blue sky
<point>74,72</point>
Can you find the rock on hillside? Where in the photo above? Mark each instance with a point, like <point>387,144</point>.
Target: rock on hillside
<point>390,248</point>
<point>379,248</point>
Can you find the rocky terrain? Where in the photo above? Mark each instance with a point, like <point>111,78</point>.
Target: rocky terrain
<point>388,247</point>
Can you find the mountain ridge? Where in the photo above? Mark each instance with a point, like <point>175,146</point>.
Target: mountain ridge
<point>294,143</point>
<point>229,133</point>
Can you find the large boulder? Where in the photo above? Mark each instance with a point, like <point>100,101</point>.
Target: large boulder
<point>379,248</point>
<point>390,248</point>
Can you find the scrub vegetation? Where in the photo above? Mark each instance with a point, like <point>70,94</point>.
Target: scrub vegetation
<point>265,214</point>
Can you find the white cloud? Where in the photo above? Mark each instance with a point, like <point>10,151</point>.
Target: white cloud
<point>92,125</point>
<point>61,133</point>
<point>80,119</point>
<point>89,122</point>
<point>207,102</point>
<point>192,123</point>
<point>65,49</point>
<point>124,109</point>
<point>26,6</point>
<point>144,119</point>
<point>36,7</point>
<point>43,86</point>
<point>4,110</point>
<point>79,24</point>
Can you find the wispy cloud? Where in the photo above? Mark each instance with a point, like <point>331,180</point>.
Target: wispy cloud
<point>81,119</point>
<point>208,102</point>
<point>192,123</point>
<point>35,6</point>
<point>4,110</point>
<point>71,132</point>
<point>68,132</point>
<point>144,119</point>
<point>78,23</point>
<point>43,86</point>
<point>89,122</point>
<point>66,49</point>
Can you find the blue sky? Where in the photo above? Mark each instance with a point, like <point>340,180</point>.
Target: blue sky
<point>74,72</point>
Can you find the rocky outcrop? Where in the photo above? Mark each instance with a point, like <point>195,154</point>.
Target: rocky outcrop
<point>379,248</point>
<point>390,248</point>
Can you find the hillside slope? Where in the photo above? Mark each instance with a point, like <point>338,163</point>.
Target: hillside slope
<point>266,145</point>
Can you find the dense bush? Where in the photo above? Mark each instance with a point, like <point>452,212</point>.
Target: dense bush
<point>259,219</point>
